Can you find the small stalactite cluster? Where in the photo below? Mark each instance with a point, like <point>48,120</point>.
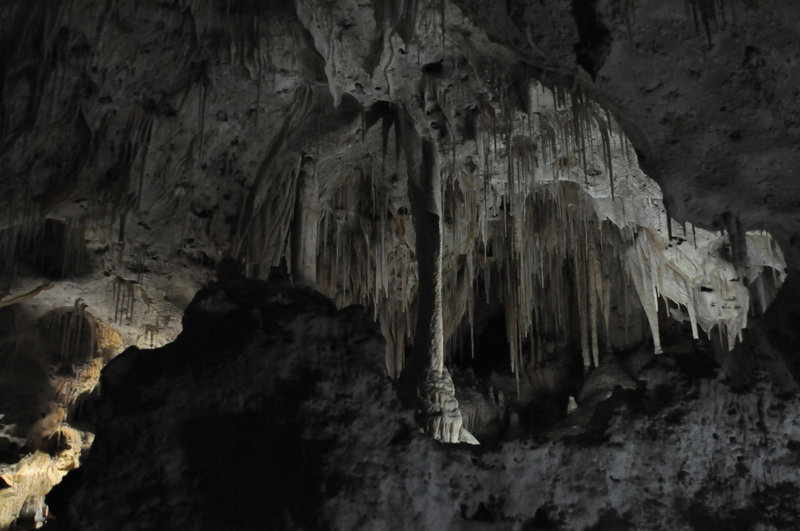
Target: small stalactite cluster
<point>538,228</point>
<point>121,189</point>
<point>53,248</point>
<point>124,299</point>
<point>497,193</point>
<point>559,263</point>
<point>74,333</point>
<point>364,257</point>
<point>548,234</point>
<point>265,215</point>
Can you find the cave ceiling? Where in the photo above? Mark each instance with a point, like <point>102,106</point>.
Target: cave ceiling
<point>174,133</point>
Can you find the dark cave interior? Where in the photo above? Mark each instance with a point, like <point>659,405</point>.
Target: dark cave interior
<point>418,264</point>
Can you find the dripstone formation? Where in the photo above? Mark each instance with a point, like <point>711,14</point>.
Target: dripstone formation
<point>562,222</point>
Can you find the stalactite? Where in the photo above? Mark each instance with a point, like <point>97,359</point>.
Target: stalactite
<point>52,247</point>
<point>304,224</point>
<point>580,279</point>
<point>123,292</point>
<point>669,223</point>
<point>442,8</point>
<point>703,11</point>
<point>736,238</point>
<point>150,333</point>
<point>296,115</point>
<point>607,155</point>
<point>259,66</point>
<point>540,247</point>
<point>593,296</point>
<point>145,141</point>
<point>72,330</point>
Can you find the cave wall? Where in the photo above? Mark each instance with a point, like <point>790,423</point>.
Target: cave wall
<point>167,136</point>
<point>290,423</point>
<point>201,116</point>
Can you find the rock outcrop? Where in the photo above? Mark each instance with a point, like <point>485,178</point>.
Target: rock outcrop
<point>271,410</point>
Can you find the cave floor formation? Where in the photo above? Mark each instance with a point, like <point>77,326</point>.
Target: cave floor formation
<point>292,414</point>
<point>444,263</point>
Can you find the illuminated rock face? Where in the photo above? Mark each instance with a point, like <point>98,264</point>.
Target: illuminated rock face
<point>242,411</point>
<point>439,163</point>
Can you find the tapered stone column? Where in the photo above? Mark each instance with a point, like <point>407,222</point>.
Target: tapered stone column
<point>435,393</point>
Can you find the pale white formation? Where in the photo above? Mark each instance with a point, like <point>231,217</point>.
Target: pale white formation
<point>572,405</point>
<point>535,191</point>
<point>444,418</point>
<point>706,288</point>
<point>534,181</point>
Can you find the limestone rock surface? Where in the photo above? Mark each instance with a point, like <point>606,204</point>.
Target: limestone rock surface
<point>290,422</point>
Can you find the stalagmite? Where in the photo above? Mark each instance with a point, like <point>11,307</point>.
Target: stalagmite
<point>436,391</point>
